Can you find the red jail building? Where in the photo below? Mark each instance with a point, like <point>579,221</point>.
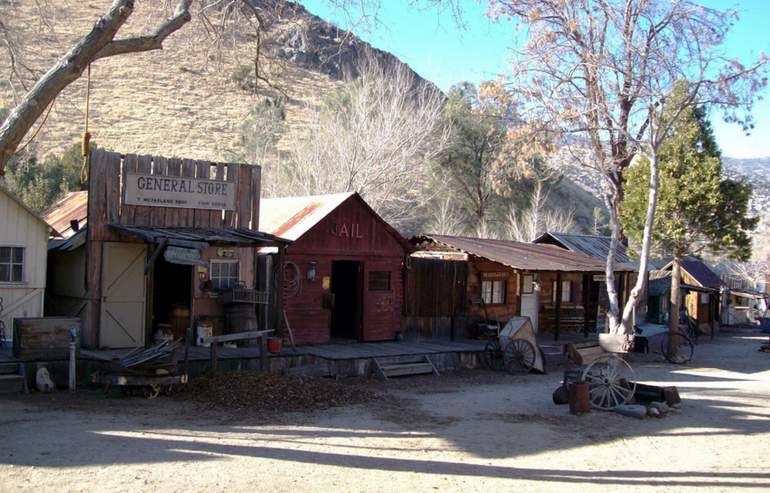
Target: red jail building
<point>343,272</point>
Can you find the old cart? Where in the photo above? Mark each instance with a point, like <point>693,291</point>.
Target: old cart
<point>147,372</point>
<point>514,347</point>
<point>609,376</point>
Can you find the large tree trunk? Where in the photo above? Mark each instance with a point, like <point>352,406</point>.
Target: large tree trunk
<point>621,325</point>
<point>676,300</point>
<point>99,43</point>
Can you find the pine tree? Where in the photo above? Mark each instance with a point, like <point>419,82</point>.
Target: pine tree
<point>697,207</point>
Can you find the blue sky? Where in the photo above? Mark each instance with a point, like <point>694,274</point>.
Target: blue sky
<point>430,42</point>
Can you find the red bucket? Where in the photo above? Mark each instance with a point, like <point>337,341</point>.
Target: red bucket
<point>274,345</point>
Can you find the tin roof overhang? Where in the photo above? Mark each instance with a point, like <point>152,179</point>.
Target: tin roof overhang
<point>525,256</point>
<point>199,237</point>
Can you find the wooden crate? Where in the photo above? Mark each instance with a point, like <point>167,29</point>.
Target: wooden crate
<point>43,338</point>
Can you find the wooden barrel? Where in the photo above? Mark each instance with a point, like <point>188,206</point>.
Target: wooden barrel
<point>240,317</point>
<point>180,320</point>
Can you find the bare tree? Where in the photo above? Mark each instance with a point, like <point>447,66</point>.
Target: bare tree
<point>221,25</point>
<point>446,217</point>
<point>377,137</point>
<point>603,69</point>
<point>538,218</point>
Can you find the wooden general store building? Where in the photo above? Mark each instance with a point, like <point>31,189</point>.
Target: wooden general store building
<point>151,242</point>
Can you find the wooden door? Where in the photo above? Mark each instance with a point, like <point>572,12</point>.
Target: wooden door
<point>123,295</point>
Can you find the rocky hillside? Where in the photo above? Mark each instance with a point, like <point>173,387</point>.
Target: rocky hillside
<point>757,172</point>
<point>191,98</point>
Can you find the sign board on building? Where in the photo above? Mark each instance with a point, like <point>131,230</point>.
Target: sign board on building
<point>600,277</point>
<point>183,256</point>
<point>177,191</point>
<point>495,275</point>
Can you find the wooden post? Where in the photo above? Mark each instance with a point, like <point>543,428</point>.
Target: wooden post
<point>214,361</point>
<point>587,279</point>
<point>262,353</point>
<point>557,307</point>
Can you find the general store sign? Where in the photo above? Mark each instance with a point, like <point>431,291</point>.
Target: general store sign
<point>177,191</point>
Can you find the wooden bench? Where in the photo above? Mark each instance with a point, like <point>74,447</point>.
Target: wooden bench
<point>259,335</point>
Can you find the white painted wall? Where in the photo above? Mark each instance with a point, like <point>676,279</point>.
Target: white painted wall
<point>20,228</point>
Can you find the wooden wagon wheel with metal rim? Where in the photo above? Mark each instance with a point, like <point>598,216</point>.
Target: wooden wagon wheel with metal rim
<point>610,382</point>
<point>519,356</point>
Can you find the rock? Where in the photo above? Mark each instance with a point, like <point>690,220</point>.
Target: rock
<point>662,407</point>
<point>561,395</point>
<point>632,410</point>
<point>652,411</point>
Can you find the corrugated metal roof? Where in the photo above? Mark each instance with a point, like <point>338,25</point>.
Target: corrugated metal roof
<point>21,204</point>
<point>291,217</point>
<point>199,237</point>
<point>701,272</point>
<point>525,256</point>
<point>74,205</point>
<point>595,246</point>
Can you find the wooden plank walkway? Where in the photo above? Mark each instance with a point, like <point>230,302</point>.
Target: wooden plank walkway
<point>345,351</point>
<point>384,349</point>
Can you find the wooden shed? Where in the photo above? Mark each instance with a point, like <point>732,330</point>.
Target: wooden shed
<point>23,240</point>
<point>701,292</point>
<point>553,287</point>
<point>343,270</point>
<point>152,244</point>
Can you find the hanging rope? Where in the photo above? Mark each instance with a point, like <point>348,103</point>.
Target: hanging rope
<point>86,136</point>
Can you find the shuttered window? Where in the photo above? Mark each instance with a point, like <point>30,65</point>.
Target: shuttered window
<point>11,264</point>
<point>379,280</point>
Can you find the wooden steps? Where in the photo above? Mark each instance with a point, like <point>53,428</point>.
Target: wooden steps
<point>12,378</point>
<point>401,366</point>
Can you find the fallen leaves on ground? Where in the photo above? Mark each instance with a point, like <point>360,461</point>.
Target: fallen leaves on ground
<point>269,392</point>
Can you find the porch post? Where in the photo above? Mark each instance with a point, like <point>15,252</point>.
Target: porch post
<point>557,307</point>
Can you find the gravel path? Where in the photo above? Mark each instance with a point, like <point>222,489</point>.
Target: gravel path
<point>470,431</point>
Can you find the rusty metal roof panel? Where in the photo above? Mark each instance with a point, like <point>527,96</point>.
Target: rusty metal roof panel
<point>526,256</point>
<point>291,217</point>
<point>595,246</point>
<point>73,206</point>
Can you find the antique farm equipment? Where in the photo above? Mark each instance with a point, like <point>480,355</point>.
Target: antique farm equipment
<point>521,353</point>
<point>513,348</point>
<point>610,377</point>
<point>147,371</point>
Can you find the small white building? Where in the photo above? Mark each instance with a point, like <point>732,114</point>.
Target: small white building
<point>23,254</point>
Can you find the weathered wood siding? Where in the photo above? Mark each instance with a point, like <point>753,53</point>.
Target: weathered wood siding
<point>435,293</point>
<point>475,310</point>
<point>369,242</point>
<point>19,228</point>
<point>106,206</point>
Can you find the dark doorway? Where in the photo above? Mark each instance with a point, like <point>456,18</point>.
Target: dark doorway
<point>347,287</point>
<point>591,294</point>
<point>172,290</point>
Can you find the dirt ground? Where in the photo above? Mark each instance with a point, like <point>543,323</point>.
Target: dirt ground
<point>468,431</point>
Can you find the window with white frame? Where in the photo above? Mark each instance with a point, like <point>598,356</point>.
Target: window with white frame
<point>566,291</point>
<point>11,264</point>
<point>704,298</point>
<point>493,292</point>
<point>223,274</point>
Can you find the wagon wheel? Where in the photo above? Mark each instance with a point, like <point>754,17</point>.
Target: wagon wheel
<point>680,352</point>
<point>519,356</point>
<point>610,382</point>
<point>151,391</point>
<point>492,356</point>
